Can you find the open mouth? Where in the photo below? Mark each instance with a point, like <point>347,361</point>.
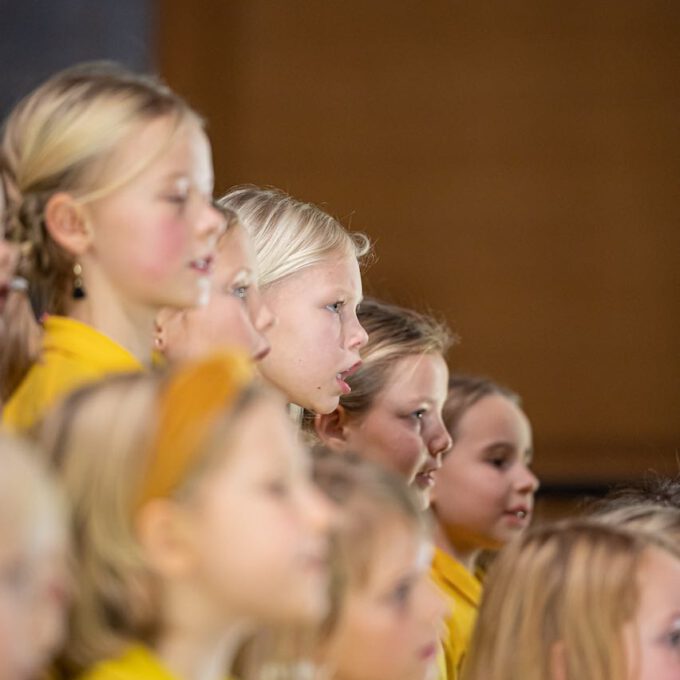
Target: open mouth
<point>261,354</point>
<point>520,514</point>
<point>343,375</point>
<point>426,478</point>
<point>204,265</point>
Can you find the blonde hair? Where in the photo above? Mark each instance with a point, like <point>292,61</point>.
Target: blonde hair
<point>370,498</point>
<point>657,518</point>
<point>289,235</point>
<point>56,139</point>
<point>29,498</point>
<point>560,594</point>
<point>104,440</point>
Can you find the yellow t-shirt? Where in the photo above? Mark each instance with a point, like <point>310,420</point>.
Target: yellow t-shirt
<point>464,591</point>
<point>135,663</point>
<point>72,354</point>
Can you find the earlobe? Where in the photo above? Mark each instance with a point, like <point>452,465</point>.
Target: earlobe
<point>331,428</point>
<point>67,223</point>
<point>159,331</point>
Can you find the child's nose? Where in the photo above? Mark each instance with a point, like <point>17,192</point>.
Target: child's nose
<point>357,337</point>
<point>440,439</point>
<point>210,224</point>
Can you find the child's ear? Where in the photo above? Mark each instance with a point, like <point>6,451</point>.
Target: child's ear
<point>164,532</point>
<point>331,428</point>
<point>67,223</point>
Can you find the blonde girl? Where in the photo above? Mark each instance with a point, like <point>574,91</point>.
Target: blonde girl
<point>580,600</point>
<point>386,615</point>
<point>34,584</point>
<point>393,413</point>
<point>195,520</point>
<point>308,270</point>
<point>235,315</point>
<point>482,497</point>
<point>108,183</point>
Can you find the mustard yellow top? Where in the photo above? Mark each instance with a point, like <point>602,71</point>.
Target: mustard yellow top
<point>464,592</point>
<point>135,663</point>
<point>72,354</point>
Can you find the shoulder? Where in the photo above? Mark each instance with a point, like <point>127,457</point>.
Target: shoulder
<point>135,663</point>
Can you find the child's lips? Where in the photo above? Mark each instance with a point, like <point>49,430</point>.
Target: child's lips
<point>262,353</point>
<point>520,514</point>
<point>203,265</point>
<point>343,375</point>
<point>428,651</point>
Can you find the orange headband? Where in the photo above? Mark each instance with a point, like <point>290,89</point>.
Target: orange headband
<point>188,406</point>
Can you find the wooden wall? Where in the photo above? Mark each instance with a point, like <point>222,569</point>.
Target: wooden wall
<point>517,164</point>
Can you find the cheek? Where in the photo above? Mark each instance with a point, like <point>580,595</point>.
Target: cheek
<point>404,446</point>
<point>163,247</point>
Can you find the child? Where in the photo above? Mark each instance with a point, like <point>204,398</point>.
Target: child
<point>33,578</point>
<point>386,614</point>
<point>195,517</point>
<point>235,316</point>
<point>108,181</point>
<point>482,498</point>
<point>393,413</point>
<point>580,600</point>
<point>308,269</point>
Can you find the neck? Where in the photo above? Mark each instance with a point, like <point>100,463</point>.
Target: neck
<point>462,551</point>
<point>197,640</point>
<point>129,324</point>
<point>192,655</point>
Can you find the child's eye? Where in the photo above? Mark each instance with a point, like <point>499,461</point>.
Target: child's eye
<point>499,462</point>
<point>673,639</point>
<point>419,414</point>
<point>335,307</point>
<point>278,487</point>
<point>178,200</point>
<point>401,594</point>
<point>240,292</point>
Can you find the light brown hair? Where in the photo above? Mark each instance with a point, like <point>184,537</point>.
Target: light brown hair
<point>106,442</point>
<point>57,139</point>
<point>560,594</point>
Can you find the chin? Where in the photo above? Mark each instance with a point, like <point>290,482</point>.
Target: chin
<point>424,498</point>
<point>326,406</point>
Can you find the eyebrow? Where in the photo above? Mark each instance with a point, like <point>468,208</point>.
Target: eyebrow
<point>180,174</point>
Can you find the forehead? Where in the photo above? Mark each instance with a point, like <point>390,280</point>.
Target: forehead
<point>659,584</point>
<point>264,434</point>
<point>336,269</point>
<point>495,416</point>
<point>397,549</point>
<point>234,248</point>
<point>162,147</point>
<point>424,374</point>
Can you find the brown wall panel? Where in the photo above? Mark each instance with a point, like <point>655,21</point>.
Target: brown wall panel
<point>517,165</point>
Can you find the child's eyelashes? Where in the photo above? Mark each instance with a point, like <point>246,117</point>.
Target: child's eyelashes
<point>401,594</point>
<point>278,487</point>
<point>336,307</point>
<point>240,292</point>
<point>500,462</point>
<point>672,638</point>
